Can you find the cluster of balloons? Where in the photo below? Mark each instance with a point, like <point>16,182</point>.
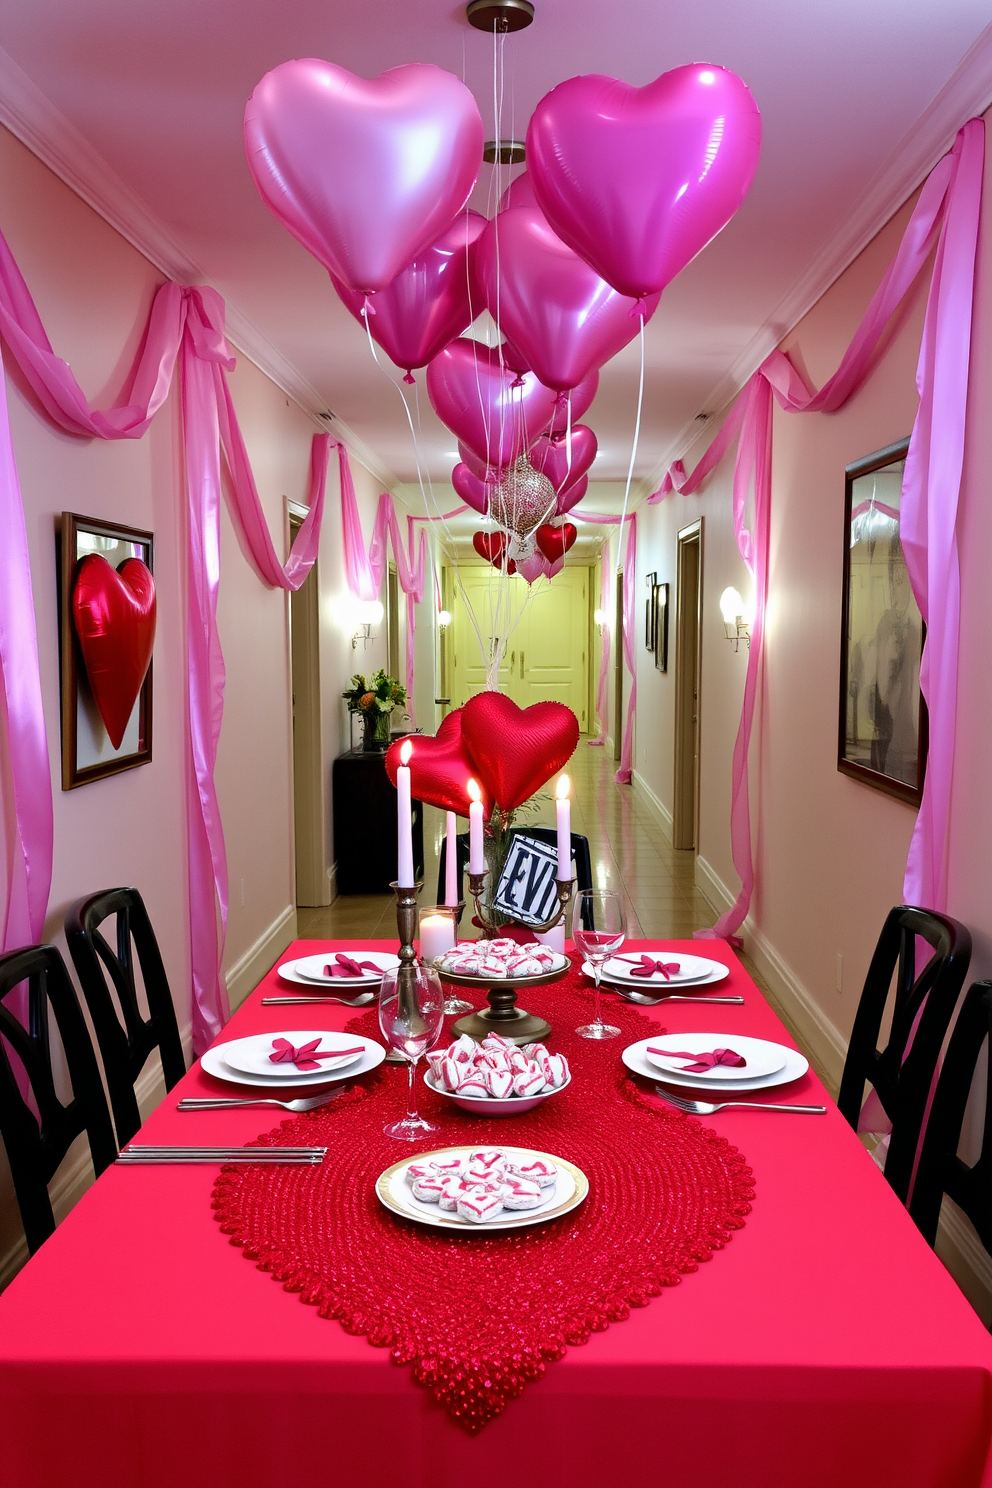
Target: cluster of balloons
<point>624,187</point>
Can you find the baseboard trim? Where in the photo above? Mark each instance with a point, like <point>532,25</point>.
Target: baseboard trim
<point>657,805</point>
<point>246,973</point>
<point>958,1246</point>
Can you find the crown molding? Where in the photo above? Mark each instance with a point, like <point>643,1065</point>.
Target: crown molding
<point>966,94</point>
<point>33,119</point>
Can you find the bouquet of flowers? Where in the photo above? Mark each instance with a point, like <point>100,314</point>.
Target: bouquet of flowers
<point>375,698</point>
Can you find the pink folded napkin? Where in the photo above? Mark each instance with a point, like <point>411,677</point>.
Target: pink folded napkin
<point>344,966</point>
<point>645,966</point>
<point>306,1056</point>
<point>704,1061</point>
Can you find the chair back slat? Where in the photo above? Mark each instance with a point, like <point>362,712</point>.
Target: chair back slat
<point>38,1126</point>
<point>940,1169</point>
<point>902,1073</point>
<point>107,976</point>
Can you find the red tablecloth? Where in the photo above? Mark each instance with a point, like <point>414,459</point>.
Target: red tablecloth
<point>826,1345</point>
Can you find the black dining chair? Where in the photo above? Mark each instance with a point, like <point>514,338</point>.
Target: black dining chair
<point>940,1169</point>
<point>902,1073</point>
<point>126,1038</point>
<point>580,853</point>
<point>37,1126</point>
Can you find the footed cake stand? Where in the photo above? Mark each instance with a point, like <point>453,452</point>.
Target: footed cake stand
<point>502,1016</point>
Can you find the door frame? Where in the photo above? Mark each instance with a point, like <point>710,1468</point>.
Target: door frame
<point>313,885</point>
<point>688,676</point>
<point>618,666</point>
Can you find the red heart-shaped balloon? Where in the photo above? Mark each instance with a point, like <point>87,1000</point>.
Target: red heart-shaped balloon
<point>114,615</point>
<point>492,546</point>
<point>440,767</point>
<point>516,750</point>
<point>554,542</point>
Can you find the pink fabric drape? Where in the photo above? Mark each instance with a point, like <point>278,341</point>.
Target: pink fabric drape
<point>947,214</point>
<point>628,639</point>
<point>184,323</point>
<point>605,602</point>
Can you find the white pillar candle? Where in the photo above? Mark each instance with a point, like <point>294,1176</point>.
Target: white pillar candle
<point>563,810</point>
<point>476,850</point>
<point>404,820</point>
<point>437,935</point>
<point>451,862</point>
<point>554,938</point>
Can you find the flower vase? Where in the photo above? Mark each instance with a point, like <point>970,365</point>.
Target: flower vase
<point>377,727</point>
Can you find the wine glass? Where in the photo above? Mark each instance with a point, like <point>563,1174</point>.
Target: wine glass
<point>411,1016</point>
<point>598,930</point>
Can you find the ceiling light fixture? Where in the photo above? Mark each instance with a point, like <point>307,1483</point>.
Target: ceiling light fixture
<point>499,15</point>
<point>506,152</point>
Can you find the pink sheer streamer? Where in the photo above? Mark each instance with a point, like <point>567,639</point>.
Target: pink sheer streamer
<point>947,213</point>
<point>623,774</point>
<point>186,323</point>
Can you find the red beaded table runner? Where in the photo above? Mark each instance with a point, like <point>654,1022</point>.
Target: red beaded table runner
<point>478,1317</point>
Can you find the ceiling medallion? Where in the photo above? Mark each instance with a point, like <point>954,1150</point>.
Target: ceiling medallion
<point>499,15</point>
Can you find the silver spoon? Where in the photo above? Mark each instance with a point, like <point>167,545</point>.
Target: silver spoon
<point>362,1000</point>
<point>631,996</point>
<point>214,1103</point>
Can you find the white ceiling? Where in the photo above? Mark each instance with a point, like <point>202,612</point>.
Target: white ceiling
<point>139,104</point>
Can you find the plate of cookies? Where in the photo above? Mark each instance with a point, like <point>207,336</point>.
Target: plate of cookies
<point>481,1189</point>
<point>503,960</point>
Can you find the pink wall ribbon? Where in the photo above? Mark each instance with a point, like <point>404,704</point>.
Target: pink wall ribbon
<point>184,323</point>
<point>947,213</point>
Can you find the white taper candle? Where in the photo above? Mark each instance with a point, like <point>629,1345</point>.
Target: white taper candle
<point>404,820</point>
<point>451,862</point>
<point>476,849</point>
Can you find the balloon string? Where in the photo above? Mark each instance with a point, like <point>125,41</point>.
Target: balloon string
<point>637,435</point>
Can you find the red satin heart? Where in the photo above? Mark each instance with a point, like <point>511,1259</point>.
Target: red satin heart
<point>113,612</point>
<point>554,542</point>
<point>492,547</point>
<point>516,750</point>
<point>440,767</point>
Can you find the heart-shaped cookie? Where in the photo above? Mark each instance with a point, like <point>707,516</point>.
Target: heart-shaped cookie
<point>113,612</point>
<point>440,767</point>
<point>516,750</point>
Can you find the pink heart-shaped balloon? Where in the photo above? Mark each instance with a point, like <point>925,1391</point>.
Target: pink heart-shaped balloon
<point>538,567</point>
<point>519,193</point>
<point>572,495</point>
<point>473,491</point>
<point>479,468</point>
<point>556,312</point>
<point>429,302</point>
<point>366,174</point>
<point>638,180</point>
<point>479,401</point>
<point>550,457</point>
<point>581,398</point>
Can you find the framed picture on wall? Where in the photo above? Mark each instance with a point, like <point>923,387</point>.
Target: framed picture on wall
<point>107,630</point>
<point>882,738</point>
<point>650,603</point>
<point>661,627</point>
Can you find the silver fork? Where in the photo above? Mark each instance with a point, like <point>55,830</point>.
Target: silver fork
<point>362,1000</point>
<point>707,1108</point>
<point>214,1103</point>
<point>638,997</point>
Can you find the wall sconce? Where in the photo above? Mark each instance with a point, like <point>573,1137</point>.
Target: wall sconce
<point>443,619</point>
<point>368,613</point>
<point>599,619</point>
<point>736,622</point>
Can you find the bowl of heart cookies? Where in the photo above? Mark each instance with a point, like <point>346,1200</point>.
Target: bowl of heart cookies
<point>495,1077</point>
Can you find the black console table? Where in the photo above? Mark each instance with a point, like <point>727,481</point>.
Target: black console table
<point>365,824</point>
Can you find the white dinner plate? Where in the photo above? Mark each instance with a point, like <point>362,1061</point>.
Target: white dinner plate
<point>636,1060</point>
<point>214,1063</point>
<point>394,1192</point>
<point>657,986</point>
<point>691,969</point>
<point>761,1057</point>
<point>250,1056</point>
<point>311,968</point>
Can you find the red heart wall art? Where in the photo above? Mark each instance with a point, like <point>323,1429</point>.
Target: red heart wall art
<point>113,612</point>
<point>440,768</point>
<point>516,750</point>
